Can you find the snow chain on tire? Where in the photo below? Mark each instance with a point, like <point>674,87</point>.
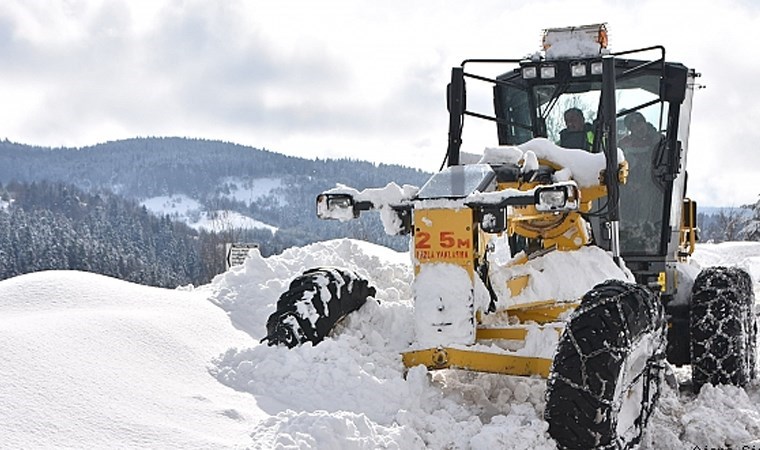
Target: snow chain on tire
<point>606,375</point>
<point>723,328</point>
<point>315,301</point>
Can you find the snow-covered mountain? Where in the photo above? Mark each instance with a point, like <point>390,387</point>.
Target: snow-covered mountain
<point>94,362</point>
<point>212,185</point>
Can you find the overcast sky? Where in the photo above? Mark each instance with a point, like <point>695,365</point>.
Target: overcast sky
<point>362,79</point>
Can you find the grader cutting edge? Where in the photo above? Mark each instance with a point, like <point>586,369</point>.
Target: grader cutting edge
<point>602,203</point>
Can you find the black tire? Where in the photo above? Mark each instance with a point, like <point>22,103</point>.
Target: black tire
<point>722,328</point>
<point>315,301</point>
<point>608,366</point>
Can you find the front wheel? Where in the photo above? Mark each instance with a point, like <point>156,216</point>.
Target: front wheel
<point>606,374</point>
<point>314,303</point>
<point>723,328</point>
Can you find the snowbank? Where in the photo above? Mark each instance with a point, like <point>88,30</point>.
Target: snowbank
<point>354,383</point>
<point>580,165</point>
<point>93,362</point>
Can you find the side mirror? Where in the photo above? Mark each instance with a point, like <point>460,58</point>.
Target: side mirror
<point>336,206</point>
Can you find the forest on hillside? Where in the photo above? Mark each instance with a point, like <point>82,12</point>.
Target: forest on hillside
<point>142,168</point>
<point>145,167</point>
<point>80,209</point>
<point>46,226</point>
<point>67,208</point>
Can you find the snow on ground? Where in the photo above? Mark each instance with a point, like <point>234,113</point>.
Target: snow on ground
<point>354,386</point>
<point>227,220</point>
<point>742,254</point>
<point>173,206</point>
<point>92,362</point>
<point>192,213</point>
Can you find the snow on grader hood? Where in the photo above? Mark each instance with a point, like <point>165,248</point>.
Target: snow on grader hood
<point>496,243</point>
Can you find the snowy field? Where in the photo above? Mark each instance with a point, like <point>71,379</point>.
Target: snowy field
<point>250,190</point>
<point>94,362</point>
<point>188,210</point>
<point>185,209</point>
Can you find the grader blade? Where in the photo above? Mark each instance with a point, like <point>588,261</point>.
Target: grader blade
<point>480,361</point>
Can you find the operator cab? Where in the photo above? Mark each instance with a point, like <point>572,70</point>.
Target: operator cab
<point>644,109</point>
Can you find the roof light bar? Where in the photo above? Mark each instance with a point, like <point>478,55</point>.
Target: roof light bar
<point>529,72</point>
<point>548,71</point>
<point>578,69</point>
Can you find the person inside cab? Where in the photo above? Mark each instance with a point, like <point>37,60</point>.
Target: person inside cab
<point>641,197</point>
<point>641,134</point>
<point>578,133</point>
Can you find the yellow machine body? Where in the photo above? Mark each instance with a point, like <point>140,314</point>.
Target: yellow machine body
<point>452,236</point>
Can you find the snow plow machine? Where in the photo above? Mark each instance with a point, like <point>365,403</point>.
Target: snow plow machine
<point>599,205</point>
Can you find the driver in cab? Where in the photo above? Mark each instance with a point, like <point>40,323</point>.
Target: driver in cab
<point>577,133</point>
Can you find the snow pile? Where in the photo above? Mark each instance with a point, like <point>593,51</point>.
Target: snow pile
<point>579,165</point>
<point>93,362</point>
<point>356,380</point>
<point>249,292</point>
<point>354,383</point>
<point>719,417</point>
<point>443,306</point>
<point>563,276</point>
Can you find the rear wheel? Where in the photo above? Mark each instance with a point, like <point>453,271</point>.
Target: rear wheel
<point>316,301</point>
<point>723,328</point>
<point>606,374</point>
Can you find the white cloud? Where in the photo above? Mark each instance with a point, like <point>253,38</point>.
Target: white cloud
<point>337,78</point>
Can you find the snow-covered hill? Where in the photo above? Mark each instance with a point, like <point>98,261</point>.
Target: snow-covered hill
<point>94,362</point>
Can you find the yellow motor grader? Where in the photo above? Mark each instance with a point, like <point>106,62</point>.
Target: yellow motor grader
<point>599,206</point>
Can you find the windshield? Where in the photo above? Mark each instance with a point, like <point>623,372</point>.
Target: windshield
<point>568,113</point>
<point>565,112</point>
<point>457,181</point>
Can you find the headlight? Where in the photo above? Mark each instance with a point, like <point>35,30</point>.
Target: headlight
<point>557,198</point>
<point>596,68</point>
<point>529,72</point>
<point>548,72</point>
<point>552,199</point>
<point>493,219</point>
